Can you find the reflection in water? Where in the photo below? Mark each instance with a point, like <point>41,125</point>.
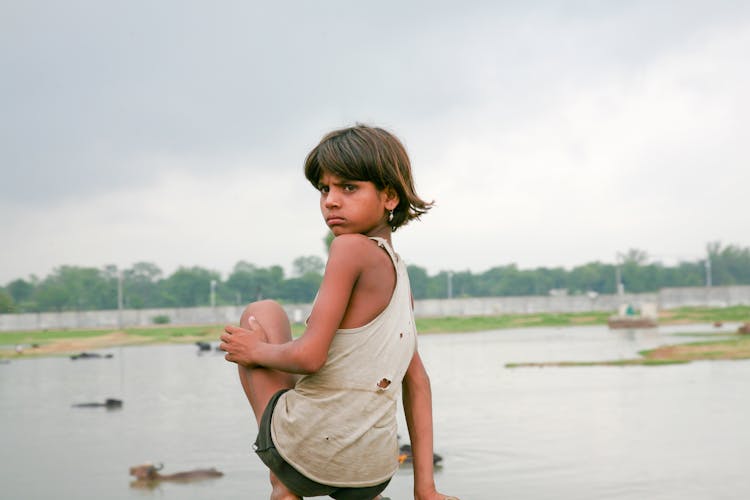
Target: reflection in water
<point>148,475</point>
<point>585,433</point>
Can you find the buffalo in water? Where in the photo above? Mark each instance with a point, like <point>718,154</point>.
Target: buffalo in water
<point>147,475</point>
<point>109,403</point>
<point>203,346</point>
<point>405,456</point>
<point>90,355</point>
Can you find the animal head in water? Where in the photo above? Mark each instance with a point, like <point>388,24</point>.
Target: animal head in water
<point>145,471</point>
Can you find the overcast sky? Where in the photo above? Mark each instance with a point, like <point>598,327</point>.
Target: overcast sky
<point>548,133</point>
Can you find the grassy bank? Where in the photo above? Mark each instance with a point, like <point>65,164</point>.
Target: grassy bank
<point>157,334</point>
<point>59,342</point>
<point>705,315</point>
<point>452,324</point>
<point>728,347</point>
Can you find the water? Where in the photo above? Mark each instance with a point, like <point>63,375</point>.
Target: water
<point>668,432</point>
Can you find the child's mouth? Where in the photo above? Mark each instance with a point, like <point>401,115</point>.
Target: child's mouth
<point>334,221</point>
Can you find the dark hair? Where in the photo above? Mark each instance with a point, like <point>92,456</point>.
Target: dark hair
<point>363,153</point>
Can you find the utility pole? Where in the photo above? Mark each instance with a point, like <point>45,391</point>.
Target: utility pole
<point>119,298</point>
<point>708,270</point>
<point>450,284</point>
<point>213,293</point>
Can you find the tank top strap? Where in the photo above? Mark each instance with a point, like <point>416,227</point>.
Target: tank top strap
<point>382,243</point>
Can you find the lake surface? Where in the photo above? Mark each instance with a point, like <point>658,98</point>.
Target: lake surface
<point>668,432</point>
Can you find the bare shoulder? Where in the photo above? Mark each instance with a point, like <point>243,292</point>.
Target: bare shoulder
<point>357,249</point>
<point>354,245</point>
<point>350,242</point>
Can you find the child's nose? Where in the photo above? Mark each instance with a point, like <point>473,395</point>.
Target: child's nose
<point>332,199</point>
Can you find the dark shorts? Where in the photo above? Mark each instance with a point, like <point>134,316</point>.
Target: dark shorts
<point>293,479</point>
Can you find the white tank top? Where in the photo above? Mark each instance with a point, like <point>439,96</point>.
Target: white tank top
<point>338,425</point>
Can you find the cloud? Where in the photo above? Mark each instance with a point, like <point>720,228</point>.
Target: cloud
<point>183,220</point>
<point>549,134</point>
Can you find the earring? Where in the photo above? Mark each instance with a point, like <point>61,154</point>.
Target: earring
<point>390,215</point>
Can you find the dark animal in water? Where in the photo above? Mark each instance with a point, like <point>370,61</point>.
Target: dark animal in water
<point>108,403</point>
<point>149,473</point>
<point>89,355</point>
<point>405,456</point>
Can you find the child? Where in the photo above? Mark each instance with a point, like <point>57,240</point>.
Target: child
<point>332,430</point>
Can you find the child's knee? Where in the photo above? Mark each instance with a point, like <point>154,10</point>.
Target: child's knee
<point>269,313</point>
<point>260,309</point>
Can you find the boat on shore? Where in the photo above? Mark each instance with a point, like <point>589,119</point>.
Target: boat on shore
<point>631,322</point>
<point>628,318</point>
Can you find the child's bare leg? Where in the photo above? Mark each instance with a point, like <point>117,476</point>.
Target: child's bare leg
<point>280,492</point>
<point>259,383</point>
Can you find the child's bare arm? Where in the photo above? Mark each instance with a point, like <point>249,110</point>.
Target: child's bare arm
<point>417,398</point>
<point>308,353</point>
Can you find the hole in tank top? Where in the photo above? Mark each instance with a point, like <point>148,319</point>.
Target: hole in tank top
<point>384,383</point>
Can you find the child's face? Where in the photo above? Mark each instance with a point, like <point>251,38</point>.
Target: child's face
<point>354,206</point>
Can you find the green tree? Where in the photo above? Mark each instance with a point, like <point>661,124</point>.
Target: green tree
<point>327,240</point>
<point>730,265</point>
<point>140,286</point>
<point>83,288</point>
<point>311,264</point>
<point>504,281</point>
<point>7,305</point>
<point>20,290</point>
<point>302,289</point>
<point>546,279</point>
<point>75,288</point>
<point>637,275</point>
<point>249,283</point>
<point>51,295</point>
<point>684,274</point>
<point>437,287</point>
<point>462,284</point>
<point>23,293</point>
<point>594,276</point>
<point>308,276</point>
<point>419,281</point>
<point>189,287</point>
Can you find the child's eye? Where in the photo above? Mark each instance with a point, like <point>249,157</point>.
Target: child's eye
<point>350,187</point>
<point>323,189</point>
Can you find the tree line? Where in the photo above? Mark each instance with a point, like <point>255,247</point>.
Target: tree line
<point>143,286</point>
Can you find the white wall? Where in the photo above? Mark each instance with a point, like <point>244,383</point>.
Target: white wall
<point>667,298</point>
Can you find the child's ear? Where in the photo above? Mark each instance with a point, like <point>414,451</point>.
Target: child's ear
<point>391,198</point>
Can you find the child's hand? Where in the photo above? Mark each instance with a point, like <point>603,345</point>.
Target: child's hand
<point>240,344</point>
